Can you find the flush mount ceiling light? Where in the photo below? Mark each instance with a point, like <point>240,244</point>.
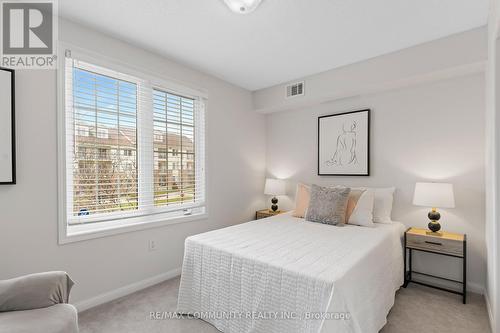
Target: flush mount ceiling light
<point>242,6</point>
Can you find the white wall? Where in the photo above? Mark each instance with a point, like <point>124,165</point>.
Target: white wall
<point>457,54</point>
<point>492,230</point>
<point>28,210</point>
<point>424,132</point>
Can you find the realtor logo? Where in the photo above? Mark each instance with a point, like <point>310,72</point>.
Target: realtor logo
<point>28,34</point>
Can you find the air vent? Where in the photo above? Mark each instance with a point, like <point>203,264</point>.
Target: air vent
<point>295,89</point>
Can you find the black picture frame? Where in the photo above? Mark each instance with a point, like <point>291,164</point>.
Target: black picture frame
<point>368,144</point>
<point>13,125</point>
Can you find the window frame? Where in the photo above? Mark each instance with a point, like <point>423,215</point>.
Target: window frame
<point>127,221</point>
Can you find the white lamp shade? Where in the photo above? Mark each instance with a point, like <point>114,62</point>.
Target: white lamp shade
<point>434,195</point>
<point>275,187</point>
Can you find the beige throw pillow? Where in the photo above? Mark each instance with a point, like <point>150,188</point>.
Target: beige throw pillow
<point>352,201</point>
<point>301,200</point>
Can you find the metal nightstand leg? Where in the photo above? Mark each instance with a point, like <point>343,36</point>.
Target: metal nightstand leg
<point>410,268</point>
<point>405,282</point>
<point>464,274</point>
<point>407,274</point>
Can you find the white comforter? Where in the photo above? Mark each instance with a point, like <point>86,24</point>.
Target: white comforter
<point>281,274</point>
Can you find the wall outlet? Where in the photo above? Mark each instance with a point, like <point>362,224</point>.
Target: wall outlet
<point>152,245</point>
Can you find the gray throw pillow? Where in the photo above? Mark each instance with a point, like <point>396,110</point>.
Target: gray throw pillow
<point>328,204</point>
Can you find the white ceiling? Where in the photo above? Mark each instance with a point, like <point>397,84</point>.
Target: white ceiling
<point>283,39</point>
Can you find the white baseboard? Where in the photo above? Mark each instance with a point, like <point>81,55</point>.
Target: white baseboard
<point>126,290</point>
<point>475,288</point>
<point>490,312</point>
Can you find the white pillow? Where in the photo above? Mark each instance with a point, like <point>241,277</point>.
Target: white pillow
<point>382,206</point>
<point>363,211</point>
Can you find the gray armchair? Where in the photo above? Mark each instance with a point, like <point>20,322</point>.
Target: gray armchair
<point>37,303</point>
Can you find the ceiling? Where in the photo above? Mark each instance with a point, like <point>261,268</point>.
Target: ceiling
<point>283,39</point>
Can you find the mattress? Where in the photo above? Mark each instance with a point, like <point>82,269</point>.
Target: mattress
<point>284,274</point>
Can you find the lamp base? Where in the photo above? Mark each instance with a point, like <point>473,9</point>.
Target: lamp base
<point>434,216</point>
<point>274,205</point>
<point>434,226</point>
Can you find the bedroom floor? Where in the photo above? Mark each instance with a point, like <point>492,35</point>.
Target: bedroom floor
<point>417,309</point>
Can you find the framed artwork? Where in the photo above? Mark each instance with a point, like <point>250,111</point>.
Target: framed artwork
<point>7,128</point>
<point>344,144</point>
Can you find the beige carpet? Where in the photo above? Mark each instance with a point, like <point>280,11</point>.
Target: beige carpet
<point>417,309</point>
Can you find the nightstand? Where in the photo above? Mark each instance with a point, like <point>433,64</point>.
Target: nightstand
<point>263,213</point>
<point>442,243</point>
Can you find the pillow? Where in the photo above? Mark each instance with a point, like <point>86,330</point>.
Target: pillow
<point>354,196</point>
<point>302,195</point>
<point>301,200</point>
<point>363,211</point>
<point>382,206</point>
<point>327,205</point>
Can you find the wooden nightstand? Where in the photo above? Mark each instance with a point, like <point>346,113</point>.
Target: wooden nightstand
<point>444,243</point>
<point>263,213</point>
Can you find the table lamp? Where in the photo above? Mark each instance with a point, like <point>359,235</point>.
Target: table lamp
<point>275,187</point>
<point>434,195</point>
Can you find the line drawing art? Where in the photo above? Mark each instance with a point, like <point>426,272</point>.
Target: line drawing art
<point>345,153</point>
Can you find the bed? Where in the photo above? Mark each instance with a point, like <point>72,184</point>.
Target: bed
<point>284,274</point>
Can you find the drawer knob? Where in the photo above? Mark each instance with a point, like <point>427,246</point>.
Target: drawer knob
<point>433,243</point>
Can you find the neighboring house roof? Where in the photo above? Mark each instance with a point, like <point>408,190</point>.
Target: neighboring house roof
<point>127,137</point>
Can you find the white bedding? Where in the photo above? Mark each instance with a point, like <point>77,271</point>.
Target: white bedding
<point>284,267</point>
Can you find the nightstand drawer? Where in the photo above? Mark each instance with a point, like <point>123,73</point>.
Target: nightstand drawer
<point>435,244</point>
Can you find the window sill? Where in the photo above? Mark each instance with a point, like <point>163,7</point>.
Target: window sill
<point>81,232</point>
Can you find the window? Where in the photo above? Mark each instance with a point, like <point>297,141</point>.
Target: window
<point>134,149</point>
<point>173,118</point>
<point>109,106</point>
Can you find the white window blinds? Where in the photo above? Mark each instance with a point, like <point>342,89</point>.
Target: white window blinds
<point>133,147</point>
<point>174,149</point>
